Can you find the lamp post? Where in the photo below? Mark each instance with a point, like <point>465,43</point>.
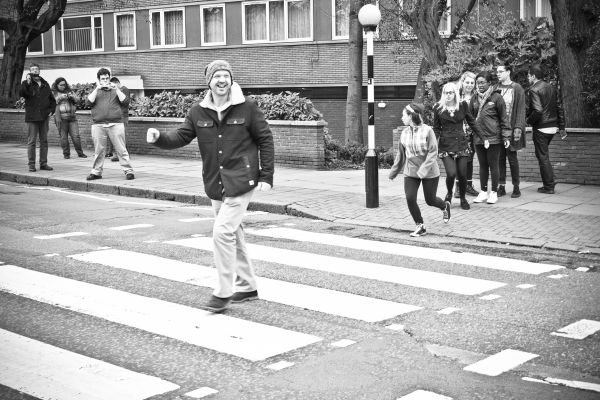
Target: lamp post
<point>369,17</point>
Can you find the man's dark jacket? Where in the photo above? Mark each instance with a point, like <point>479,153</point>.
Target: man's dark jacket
<point>39,100</point>
<point>544,110</point>
<point>229,148</point>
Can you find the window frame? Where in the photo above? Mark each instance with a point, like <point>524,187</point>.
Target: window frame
<point>285,22</point>
<point>202,41</point>
<point>334,24</point>
<point>34,53</point>
<point>538,9</point>
<point>162,32</point>
<point>62,37</point>
<point>121,48</point>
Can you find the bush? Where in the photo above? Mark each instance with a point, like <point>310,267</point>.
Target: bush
<point>287,106</point>
<point>352,155</point>
<point>164,104</point>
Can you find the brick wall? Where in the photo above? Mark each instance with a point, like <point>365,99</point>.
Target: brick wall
<point>575,159</point>
<point>297,144</point>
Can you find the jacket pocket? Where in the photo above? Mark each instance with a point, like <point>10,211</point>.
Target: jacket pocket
<point>205,123</point>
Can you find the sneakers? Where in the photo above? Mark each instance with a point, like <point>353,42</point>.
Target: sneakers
<point>81,155</point>
<point>493,198</point>
<point>471,190</point>
<point>540,190</point>
<point>239,297</point>
<point>501,191</point>
<point>217,304</point>
<point>481,197</point>
<point>516,192</point>
<point>46,168</point>
<point>91,177</point>
<point>108,155</point>
<point>129,176</point>
<point>67,156</point>
<point>420,231</point>
<point>464,204</point>
<point>32,169</point>
<point>446,215</point>
<point>114,158</point>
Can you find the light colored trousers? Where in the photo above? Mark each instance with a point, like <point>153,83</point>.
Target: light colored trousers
<point>116,133</point>
<point>230,253</point>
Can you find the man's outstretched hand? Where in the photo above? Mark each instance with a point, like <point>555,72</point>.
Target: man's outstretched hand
<point>152,135</point>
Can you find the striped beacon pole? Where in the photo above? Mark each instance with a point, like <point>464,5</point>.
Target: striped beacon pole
<point>369,17</point>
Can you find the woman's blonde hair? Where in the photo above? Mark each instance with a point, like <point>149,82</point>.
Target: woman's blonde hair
<point>442,105</point>
<point>465,75</point>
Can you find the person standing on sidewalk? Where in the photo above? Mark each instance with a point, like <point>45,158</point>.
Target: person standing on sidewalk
<point>238,156</point>
<point>417,156</point>
<point>514,97</point>
<point>125,110</point>
<point>545,116</point>
<point>492,120</point>
<point>106,101</point>
<point>467,90</point>
<point>65,117</point>
<point>39,106</point>
<point>449,117</point>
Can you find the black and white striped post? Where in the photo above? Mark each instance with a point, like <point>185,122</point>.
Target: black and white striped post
<point>369,17</point>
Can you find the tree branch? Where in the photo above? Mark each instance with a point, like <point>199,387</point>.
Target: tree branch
<point>463,17</point>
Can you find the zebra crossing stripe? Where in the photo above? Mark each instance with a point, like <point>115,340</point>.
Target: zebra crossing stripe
<point>386,273</point>
<point>579,330</point>
<point>60,235</point>
<point>246,339</point>
<point>500,362</point>
<point>477,260</point>
<point>424,395</point>
<point>303,296</point>
<point>127,227</point>
<point>49,372</point>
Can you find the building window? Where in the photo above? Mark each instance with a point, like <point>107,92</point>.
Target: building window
<point>213,24</point>
<point>536,8</point>
<point>125,31</point>
<point>36,47</point>
<point>77,34</point>
<point>167,28</point>
<point>341,11</point>
<point>273,21</point>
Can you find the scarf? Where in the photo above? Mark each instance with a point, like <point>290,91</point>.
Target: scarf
<point>482,98</point>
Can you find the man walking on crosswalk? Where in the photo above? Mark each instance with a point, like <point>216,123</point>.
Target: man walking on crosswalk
<point>236,146</point>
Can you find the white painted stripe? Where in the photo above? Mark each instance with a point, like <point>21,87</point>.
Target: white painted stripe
<point>579,330</point>
<point>61,235</point>
<point>51,255</point>
<point>448,310</point>
<point>490,297</point>
<point>582,269</point>
<point>575,384</point>
<point>89,196</point>
<point>313,298</point>
<point>48,372</point>
<point>126,227</point>
<point>140,203</point>
<point>246,339</point>
<point>201,392</point>
<point>380,272</point>
<point>198,219</point>
<point>343,343</point>
<point>395,327</point>
<point>557,276</point>
<point>477,260</point>
<point>525,286</point>
<point>424,395</point>
<point>278,366</point>
<point>501,362</point>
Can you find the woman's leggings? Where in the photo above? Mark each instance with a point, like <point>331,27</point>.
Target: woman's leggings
<point>488,165</point>
<point>411,186</point>
<point>456,167</point>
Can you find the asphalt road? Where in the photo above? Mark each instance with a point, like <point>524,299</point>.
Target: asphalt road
<point>112,309</point>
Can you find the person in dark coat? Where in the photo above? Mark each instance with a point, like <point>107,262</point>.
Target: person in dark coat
<point>238,156</point>
<point>39,106</point>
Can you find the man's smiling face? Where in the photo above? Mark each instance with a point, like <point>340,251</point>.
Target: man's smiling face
<point>220,84</point>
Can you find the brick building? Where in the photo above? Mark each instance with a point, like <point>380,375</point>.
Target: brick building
<point>273,45</point>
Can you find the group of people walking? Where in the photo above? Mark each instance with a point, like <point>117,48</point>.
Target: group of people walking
<point>477,115</point>
<point>109,102</point>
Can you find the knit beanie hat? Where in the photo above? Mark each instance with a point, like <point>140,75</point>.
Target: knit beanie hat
<point>217,65</point>
<point>416,108</point>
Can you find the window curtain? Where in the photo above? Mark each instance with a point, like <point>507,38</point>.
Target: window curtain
<point>213,25</point>
<point>173,27</point>
<point>342,9</point>
<point>276,20</point>
<point>256,22</point>
<point>125,30</point>
<point>156,29</point>
<point>528,9</point>
<point>298,19</point>
<point>546,11</point>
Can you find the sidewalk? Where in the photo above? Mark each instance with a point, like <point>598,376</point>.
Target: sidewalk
<point>567,220</point>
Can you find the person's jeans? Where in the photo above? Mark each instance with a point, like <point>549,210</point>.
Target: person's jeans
<point>230,254</point>
<point>411,186</point>
<point>541,141</point>
<point>456,167</point>
<point>513,161</point>
<point>35,129</point>
<point>488,165</point>
<point>100,135</point>
<point>70,128</point>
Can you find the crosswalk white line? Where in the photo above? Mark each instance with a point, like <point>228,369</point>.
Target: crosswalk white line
<point>424,395</point>
<point>60,235</point>
<point>49,372</point>
<point>386,273</point>
<point>197,219</point>
<point>303,296</point>
<point>127,227</point>
<point>579,330</point>
<point>246,339</point>
<point>477,260</point>
<point>498,363</point>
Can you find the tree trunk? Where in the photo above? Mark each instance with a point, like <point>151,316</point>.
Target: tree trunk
<point>353,131</point>
<point>11,71</point>
<point>424,18</point>
<point>573,36</point>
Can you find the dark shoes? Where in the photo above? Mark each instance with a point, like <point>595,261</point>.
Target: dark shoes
<point>81,155</point>
<point>464,204</point>
<point>546,190</point>
<point>32,169</point>
<point>446,215</point>
<point>91,177</point>
<point>239,297</point>
<point>501,191</point>
<point>516,192</point>
<point>129,176</point>
<point>46,168</point>
<point>67,156</point>
<point>471,191</point>
<point>419,231</point>
<point>108,155</point>
<point>114,158</point>
<point>217,304</point>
